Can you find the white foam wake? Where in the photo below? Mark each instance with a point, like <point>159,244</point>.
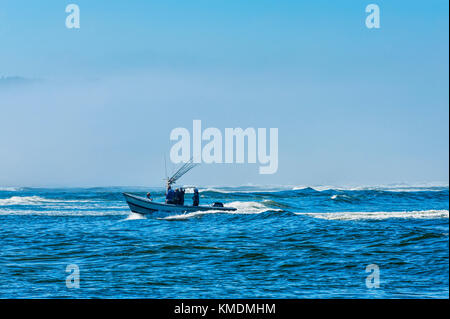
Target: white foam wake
<point>242,208</point>
<point>190,215</point>
<point>249,207</point>
<point>134,216</point>
<point>422,214</point>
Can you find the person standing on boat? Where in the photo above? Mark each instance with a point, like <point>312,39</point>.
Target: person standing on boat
<point>177,197</point>
<point>182,191</point>
<point>170,195</point>
<point>195,198</point>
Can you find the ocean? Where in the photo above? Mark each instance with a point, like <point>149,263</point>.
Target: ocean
<point>282,242</point>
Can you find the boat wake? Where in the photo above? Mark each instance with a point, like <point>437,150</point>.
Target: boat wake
<point>134,216</point>
<point>242,208</point>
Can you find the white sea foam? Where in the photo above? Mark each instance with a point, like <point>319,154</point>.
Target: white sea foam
<point>242,208</point>
<point>22,200</point>
<point>340,196</point>
<point>228,191</point>
<point>11,189</point>
<point>191,214</point>
<point>245,189</point>
<point>217,190</point>
<point>422,214</point>
<point>134,216</point>
<point>391,187</point>
<point>64,213</point>
<point>249,207</point>
<point>37,200</point>
<point>298,188</point>
<point>277,188</point>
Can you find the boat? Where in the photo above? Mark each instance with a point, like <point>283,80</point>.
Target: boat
<point>144,206</point>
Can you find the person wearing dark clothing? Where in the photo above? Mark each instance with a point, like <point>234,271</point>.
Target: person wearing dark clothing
<point>195,198</point>
<point>170,195</point>
<point>182,191</point>
<point>177,196</point>
<point>149,196</point>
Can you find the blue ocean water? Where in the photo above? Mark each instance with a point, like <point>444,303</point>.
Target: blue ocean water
<point>282,242</point>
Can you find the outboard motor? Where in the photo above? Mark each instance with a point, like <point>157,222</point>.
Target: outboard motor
<point>217,204</point>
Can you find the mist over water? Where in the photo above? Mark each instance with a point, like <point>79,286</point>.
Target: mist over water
<point>282,242</point>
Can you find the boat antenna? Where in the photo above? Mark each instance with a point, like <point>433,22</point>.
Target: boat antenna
<point>186,167</point>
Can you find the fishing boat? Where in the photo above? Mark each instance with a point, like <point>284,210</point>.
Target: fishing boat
<point>142,205</point>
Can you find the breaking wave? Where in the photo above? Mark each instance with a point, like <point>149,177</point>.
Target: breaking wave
<point>389,188</point>
<point>243,190</point>
<point>11,189</point>
<point>343,198</point>
<point>63,213</point>
<point>35,200</point>
<point>37,205</point>
<point>422,214</point>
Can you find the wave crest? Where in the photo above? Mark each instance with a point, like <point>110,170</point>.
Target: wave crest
<point>35,200</point>
<point>421,214</point>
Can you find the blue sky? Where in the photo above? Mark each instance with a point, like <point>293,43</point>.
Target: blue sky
<point>352,105</point>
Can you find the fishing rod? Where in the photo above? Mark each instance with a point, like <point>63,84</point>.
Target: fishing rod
<point>186,167</point>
